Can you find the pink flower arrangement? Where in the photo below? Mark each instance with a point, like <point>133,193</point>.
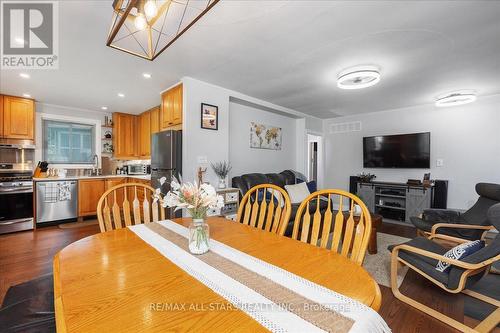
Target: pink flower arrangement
<point>196,199</point>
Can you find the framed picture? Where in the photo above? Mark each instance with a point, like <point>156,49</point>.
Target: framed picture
<point>265,136</point>
<point>209,116</point>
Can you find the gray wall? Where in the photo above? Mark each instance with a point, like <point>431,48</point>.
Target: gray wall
<point>245,159</point>
<point>466,137</point>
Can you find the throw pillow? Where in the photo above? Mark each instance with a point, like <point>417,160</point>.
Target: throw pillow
<point>312,186</point>
<point>297,192</point>
<point>459,252</point>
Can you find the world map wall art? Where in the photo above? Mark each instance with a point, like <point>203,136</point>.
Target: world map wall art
<point>265,136</point>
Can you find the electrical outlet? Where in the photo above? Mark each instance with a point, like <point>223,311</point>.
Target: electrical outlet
<point>439,162</point>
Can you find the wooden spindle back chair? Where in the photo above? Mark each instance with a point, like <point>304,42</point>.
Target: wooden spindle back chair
<point>266,207</point>
<point>128,204</point>
<point>351,232</point>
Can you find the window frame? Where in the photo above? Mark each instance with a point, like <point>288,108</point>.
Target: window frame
<point>42,116</point>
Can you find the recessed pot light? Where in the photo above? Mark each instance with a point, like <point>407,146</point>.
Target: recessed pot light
<point>121,95</point>
<point>146,75</point>
<point>24,75</point>
<point>358,77</point>
<point>104,107</point>
<point>456,98</point>
<point>27,95</point>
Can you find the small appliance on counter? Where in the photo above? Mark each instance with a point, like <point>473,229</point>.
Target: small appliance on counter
<point>137,169</point>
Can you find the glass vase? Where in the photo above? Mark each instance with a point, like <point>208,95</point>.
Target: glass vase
<point>199,237</point>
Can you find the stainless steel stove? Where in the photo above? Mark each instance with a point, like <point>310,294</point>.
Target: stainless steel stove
<point>16,189</point>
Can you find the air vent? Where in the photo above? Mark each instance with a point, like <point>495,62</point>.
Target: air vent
<point>353,126</point>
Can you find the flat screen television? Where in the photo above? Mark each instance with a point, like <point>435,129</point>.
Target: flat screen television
<point>397,151</point>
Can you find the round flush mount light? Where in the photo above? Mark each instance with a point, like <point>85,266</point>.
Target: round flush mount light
<point>104,107</point>
<point>27,95</point>
<point>146,75</point>
<point>121,95</point>
<point>24,75</point>
<point>358,77</point>
<point>456,98</point>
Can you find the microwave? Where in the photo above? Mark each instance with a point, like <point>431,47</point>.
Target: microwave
<point>137,169</point>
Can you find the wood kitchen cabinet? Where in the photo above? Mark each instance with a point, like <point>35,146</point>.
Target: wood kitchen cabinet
<point>112,182</point>
<point>89,193</point>
<point>171,107</point>
<point>155,119</point>
<point>1,116</point>
<point>18,118</point>
<point>124,135</point>
<point>144,135</point>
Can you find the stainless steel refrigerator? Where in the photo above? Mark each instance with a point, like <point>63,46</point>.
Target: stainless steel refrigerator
<point>166,159</point>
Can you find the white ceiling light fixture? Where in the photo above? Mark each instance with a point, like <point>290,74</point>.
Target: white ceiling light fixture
<point>358,77</point>
<point>456,98</point>
<point>27,95</point>
<point>24,75</point>
<point>104,107</point>
<point>121,95</point>
<point>146,75</point>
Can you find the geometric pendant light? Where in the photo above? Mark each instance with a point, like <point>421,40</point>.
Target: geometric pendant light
<point>145,28</point>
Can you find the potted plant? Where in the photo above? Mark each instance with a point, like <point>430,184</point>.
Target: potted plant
<point>221,169</point>
<point>197,199</point>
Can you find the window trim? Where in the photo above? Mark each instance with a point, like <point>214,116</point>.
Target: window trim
<point>56,117</point>
<point>45,143</point>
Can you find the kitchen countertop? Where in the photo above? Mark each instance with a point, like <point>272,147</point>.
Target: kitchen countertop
<point>143,177</point>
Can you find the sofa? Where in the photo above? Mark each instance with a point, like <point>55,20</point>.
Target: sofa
<point>286,177</point>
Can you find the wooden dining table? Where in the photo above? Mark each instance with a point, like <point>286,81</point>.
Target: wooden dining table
<point>115,282</point>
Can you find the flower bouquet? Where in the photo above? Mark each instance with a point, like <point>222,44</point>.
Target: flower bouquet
<point>197,199</point>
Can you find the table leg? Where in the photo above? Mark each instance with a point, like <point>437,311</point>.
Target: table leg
<point>372,243</point>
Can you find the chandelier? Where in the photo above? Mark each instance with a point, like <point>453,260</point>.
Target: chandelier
<point>145,28</point>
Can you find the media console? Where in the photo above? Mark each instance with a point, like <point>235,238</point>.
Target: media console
<point>396,201</point>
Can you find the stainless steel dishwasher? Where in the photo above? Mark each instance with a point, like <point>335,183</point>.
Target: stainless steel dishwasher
<point>56,200</point>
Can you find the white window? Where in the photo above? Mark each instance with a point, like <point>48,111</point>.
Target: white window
<point>68,142</point>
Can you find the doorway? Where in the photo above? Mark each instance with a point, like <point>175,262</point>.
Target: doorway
<point>314,158</point>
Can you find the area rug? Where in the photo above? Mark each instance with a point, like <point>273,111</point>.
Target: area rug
<point>379,265</point>
<point>72,225</point>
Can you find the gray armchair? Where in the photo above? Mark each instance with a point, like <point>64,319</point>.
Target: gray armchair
<point>470,225</point>
<point>422,254</point>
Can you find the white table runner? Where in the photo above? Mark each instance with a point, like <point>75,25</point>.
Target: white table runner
<point>339,314</point>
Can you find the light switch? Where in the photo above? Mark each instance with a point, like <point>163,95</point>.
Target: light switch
<point>439,162</point>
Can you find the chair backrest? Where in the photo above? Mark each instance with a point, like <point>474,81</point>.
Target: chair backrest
<point>128,204</point>
<point>489,194</point>
<point>334,224</point>
<point>490,252</point>
<point>266,207</point>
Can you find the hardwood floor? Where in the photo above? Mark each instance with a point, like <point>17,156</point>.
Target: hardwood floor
<point>27,255</point>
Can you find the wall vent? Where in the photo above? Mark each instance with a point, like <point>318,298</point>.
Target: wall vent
<point>353,126</point>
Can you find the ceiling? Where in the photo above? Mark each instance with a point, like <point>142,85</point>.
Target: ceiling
<point>283,52</point>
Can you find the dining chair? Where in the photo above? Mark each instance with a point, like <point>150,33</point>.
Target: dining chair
<point>422,255</point>
<point>128,204</point>
<point>337,227</point>
<point>266,207</point>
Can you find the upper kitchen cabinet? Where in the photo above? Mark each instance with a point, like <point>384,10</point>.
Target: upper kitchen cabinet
<point>155,119</point>
<point>144,134</point>
<point>124,135</point>
<point>171,108</point>
<point>18,118</point>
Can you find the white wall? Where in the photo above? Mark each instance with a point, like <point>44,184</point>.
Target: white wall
<point>245,159</point>
<point>201,146</point>
<point>466,137</point>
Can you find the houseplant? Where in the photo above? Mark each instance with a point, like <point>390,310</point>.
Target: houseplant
<point>197,199</point>
<point>221,169</point>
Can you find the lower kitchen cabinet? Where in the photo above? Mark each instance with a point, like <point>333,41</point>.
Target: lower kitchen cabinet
<point>119,194</point>
<point>89,193</point>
